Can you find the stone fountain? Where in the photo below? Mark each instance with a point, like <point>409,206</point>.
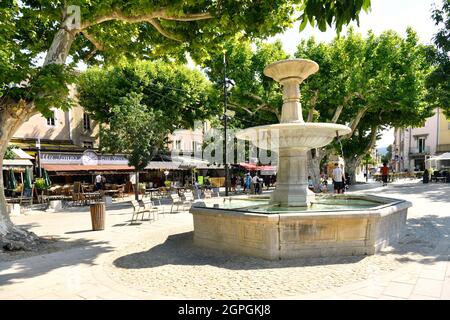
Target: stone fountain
<point>293,222</point>
<point>293,137</point>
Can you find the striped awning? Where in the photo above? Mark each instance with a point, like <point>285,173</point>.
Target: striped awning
<point>16,164</point>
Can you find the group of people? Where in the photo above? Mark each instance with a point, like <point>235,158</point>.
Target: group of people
<point>340,181</point>
<point>253,184</point>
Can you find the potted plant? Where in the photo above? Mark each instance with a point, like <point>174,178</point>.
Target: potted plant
<point>40,184</point>
<point>142,187</point>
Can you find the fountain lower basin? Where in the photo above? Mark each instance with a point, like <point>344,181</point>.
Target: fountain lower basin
<point>252,226</point>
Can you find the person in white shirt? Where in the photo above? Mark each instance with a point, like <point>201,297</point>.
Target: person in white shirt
<point>255,181</point>
<point>338,179</point>
<point>98,182</point>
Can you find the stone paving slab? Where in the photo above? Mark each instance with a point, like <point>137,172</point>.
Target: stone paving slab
<point>84,271</point>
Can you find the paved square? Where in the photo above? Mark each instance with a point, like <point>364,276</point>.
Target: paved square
<point>158,260</point>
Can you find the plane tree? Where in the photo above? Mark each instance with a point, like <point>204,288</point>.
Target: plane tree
<point>139,103</point>
<point>103,31</point>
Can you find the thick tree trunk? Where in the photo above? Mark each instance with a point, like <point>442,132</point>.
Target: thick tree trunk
<point>12,237</point>
<point>352,163</point>
<point>350,167</point>
<point>59,50</point>
<point>12,116</point>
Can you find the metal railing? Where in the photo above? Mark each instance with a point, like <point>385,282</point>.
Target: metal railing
<point>424,150</point>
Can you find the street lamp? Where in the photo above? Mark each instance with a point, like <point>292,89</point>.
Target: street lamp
<point>227,85</point>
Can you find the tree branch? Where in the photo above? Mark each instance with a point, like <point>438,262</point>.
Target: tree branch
<point>263,106</point>
<point>97,44</point>
<point>187,17</point>
<point>150,18</point>
<point>337,113</point>
<point>355,122</point>
<point>313,103</point>
<point>310,115</point>
<point>373,139</point>
<point>155,23</point>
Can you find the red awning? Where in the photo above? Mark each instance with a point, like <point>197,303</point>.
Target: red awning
<point>254,167</point>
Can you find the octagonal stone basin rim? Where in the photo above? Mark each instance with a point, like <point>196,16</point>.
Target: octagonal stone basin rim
<point>386,207</point>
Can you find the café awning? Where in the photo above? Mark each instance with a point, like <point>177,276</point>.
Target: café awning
<point>70,167</point>
<point>20,154</point>
<point>163,165</point>
<point>74,168</point>
<point>16,164</point>
<point>255,167</point>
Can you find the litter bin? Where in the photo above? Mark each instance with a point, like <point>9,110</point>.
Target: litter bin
<point>98,216</point>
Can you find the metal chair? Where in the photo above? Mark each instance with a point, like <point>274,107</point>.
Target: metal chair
<point>137,209</point>
<point>176,200</point>
<point>148,206</point>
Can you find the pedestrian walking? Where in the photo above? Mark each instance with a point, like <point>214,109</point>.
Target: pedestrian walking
<point>338,179</point>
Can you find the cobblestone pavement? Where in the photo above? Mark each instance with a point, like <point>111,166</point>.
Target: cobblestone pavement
<point>158,260</point>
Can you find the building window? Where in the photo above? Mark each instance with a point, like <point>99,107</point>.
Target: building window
<point>86,122</point>
<point>421,144</point>
<point>88,144</point>
<point>449,125</point>
<point>52,120</point>
<point>195,146</point>
<point>178,145</point>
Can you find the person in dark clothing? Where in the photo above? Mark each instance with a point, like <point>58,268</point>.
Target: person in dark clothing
<point>426,176</point>
<point>233,183</point>
<point>384,174</point>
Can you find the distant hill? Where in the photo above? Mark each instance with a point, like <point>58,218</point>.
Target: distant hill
<point>382,151</point>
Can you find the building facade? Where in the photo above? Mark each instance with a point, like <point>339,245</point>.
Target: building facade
<point>412,146</point>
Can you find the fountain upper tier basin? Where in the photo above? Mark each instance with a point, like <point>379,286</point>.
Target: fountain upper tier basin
<point>291,68</point>
<point>293,135</point>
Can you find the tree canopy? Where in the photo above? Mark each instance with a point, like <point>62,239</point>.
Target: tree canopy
<point>179,94</point>
<point>135,130</point>
<point>368,83</point>
<point>105,31</point>
<point>102,31</point>
<point>438,82</point>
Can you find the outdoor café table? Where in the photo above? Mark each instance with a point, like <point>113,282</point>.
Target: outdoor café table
<point>179,190</point>
<point>12,200</point>
<point>150,191</point>
<point>110,192</point>
<point>440,179</point>
<point>91,196</point>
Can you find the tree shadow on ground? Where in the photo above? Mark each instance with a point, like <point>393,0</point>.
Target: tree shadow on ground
<point>55,253</point>
<point>110,208</point>
<point>426,240</point>
<point>418,243</point>
<point>436,192</point>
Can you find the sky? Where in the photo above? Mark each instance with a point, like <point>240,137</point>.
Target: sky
<point>384,14</point>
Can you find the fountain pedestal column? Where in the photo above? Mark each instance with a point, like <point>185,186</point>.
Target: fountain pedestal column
<point>292,183</point>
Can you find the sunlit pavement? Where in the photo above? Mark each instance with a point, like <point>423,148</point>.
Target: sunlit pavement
<point>82,272</point>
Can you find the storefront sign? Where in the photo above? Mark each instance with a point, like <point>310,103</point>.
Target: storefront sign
<point>60,158</point>
<point>89,157</point>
